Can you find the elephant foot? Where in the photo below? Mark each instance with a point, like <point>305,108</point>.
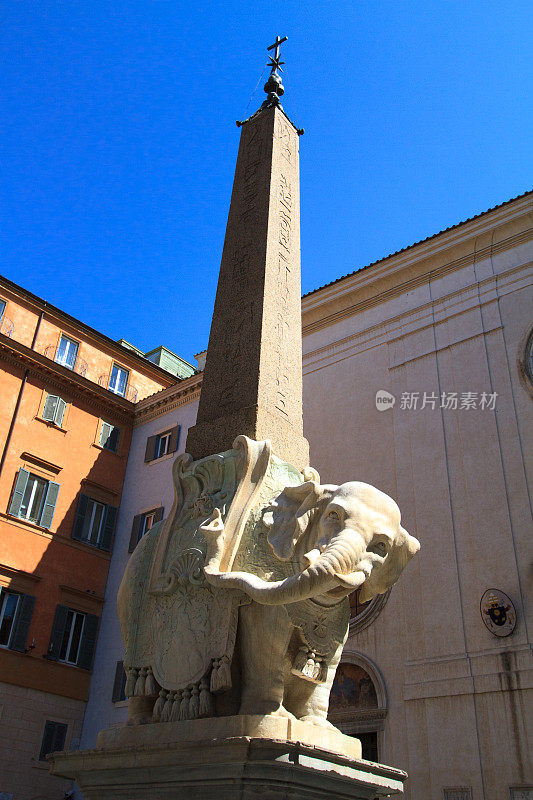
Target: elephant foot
<point>322,722</point>
<point>282,712</point>
<point>265,709</point>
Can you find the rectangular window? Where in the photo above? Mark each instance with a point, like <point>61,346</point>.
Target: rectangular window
<point>118,380</point>
<point>109,436</point>
<point>54,736</point>
<point>34,499</point>
<point>70,643</point>
<point>119,684</point>
<point>16,611</point>
<point>9,602</point>
<point>162,444</point>
<point>94,523</point>
<point>142,523</point>
<point>67,352</point>
<point>73,637</point>
<point>54,409</point>
<point>2,308</point>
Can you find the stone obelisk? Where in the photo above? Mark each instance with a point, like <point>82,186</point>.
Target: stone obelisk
<point>252,380</point>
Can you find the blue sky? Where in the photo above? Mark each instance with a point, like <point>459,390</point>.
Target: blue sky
<point>119,140</point>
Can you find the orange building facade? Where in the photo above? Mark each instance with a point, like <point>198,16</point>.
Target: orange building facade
<point>68,396</point>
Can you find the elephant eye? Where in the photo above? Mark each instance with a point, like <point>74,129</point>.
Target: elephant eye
<point>379,548</point>
<point>334,515</point>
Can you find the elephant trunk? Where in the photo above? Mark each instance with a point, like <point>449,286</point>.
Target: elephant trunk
<point>340,557</point>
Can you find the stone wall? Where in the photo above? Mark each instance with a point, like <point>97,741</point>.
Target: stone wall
<point>23,714</point>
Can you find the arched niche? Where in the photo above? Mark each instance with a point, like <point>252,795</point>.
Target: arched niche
<point>358,702</point>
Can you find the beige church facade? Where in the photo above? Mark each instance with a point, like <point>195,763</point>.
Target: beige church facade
<point>417,380</point>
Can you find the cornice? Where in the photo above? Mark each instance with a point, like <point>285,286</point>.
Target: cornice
<point>65,380</point>
<point>168,399</point>
<point>390,271</point>
<point>450,237</point>
<point>100,340</point>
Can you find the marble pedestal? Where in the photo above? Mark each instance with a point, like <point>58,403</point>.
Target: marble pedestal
<point>226,758</point>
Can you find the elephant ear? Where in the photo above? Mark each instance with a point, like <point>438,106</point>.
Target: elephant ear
<point>289,516</point>
<point>386,574</point>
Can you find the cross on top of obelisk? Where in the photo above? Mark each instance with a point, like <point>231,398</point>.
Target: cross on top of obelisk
<point>274,61</point>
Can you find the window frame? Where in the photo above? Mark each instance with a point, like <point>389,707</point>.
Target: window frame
<point>21,621</point>
<point>75,614</point>
<point>38,480</point>
<point>112,428</point>
<point>138,528</point>
<point>62,628</point>
<point>60,725</point>
<point>107,526</point>
<point>48,502</point>
<point>5,594</point>
<point>76,355</point>
<point>101,524</point>
<point>2,310</point>
<point>60,409</point>
<point>119,369</point>
<point>162,438</point>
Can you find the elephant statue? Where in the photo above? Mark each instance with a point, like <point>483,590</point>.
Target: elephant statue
<point>237,603</point>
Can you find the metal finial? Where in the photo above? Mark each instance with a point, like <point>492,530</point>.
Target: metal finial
<point>274,87</point>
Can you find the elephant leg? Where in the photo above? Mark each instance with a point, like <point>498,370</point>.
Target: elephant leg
<point>264,633</point>
<point>140,710</point>
<point>308,701</point>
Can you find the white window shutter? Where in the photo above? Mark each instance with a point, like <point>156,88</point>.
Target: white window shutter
<point>50,407</point>
<point>105,432</point>
<point>60,412</point>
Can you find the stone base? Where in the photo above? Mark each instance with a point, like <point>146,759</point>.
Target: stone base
<point>226,758</point>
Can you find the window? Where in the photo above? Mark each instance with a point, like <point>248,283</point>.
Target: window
<point>118,380</point>
<point>70,643</point>
<point>528,360</point>
<point>109,436</point>
<point>54,409</point>
<point>8,612</point>
<point>67,352</point>
<point>142,523</point>
<point>34,499</point>
<point>2,308</point>
<point>54,737</point>
<point>94,523</point>
<point>119,685</point>
<point>73,637</point>
<point>162,444</point>
<point>16,611</point>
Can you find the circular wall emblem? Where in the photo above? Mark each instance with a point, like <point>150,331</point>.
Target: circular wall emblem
<point>498,612</point>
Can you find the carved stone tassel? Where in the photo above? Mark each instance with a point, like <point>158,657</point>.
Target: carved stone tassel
<point>322,672</point>
<point>151,687</point>
<point>309,666</point>
<point>175,713</point>
<point>221,674</point>
<point>159,704</point>
<point>184,705</point>
<point>206,700</point>
<point>167,708</point>
<point>140,683</point>
<point>130,682</point>
<point>194,703</point>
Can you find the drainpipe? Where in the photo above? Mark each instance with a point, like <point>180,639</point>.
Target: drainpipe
<point>19,398</point>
